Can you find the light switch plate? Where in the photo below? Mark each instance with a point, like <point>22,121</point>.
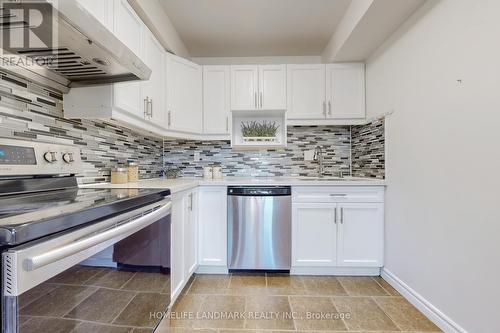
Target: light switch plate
<point>308,155</point>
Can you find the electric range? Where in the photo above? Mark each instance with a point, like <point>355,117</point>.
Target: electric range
<point>58,239</point>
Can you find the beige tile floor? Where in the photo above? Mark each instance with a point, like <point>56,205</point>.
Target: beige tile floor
<point>95,300</point>
<point>281,303</point>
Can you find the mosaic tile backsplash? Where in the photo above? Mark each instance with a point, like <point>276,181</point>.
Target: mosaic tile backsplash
<point>368,149</point>
<point>31,112</point>
<point>336,141</point>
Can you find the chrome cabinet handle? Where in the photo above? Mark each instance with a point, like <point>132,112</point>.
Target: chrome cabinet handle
<point>338,194</point>
<point>227,124</point>
<point>261,99</point>
<point>255,99</point>
<point>151,108</point>
<point>335,217</point>
<point>324,108</point>
<point>190,202</point>
<point>169,118</point>
<point>329,108</point>
<point>146,103</point>
<point>342,215</point>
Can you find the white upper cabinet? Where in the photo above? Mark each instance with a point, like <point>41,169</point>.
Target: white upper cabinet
<point>184,95</point>
<point>101,10</point>
<point>361,234</point>
<point>345,91</point>
<point>128,27</point>
<point>272,87</point>
<point>258,87</point>
<point>216,100</point>
<point>306,91</point>
<point>326,94</point>
<point>244,87</point>
<point>153,90</point>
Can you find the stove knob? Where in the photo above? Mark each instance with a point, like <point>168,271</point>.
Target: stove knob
<point>50,156</point>
<point>68,158</point>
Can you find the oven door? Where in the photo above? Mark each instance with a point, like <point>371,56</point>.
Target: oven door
<point>110,276</point>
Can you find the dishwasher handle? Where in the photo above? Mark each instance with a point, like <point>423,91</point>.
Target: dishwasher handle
<point>259,191</point>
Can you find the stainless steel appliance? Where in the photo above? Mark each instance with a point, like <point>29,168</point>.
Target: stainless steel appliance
<point>259,228</point>
<point>78,259</point>
<point>75,48</point>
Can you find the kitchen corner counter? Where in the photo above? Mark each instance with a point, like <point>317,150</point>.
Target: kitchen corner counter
<point>181,184</point>
<point>175,185</point>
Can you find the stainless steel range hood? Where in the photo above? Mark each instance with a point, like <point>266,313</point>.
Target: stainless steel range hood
<point>82,51</point>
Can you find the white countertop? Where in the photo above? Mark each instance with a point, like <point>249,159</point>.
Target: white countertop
<point>184,183</point>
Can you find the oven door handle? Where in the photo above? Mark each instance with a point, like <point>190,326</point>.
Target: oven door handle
<point>54,255</point>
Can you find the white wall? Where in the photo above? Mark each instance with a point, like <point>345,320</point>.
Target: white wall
<point>443,163</point>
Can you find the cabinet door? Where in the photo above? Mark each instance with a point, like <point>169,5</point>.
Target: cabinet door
<point>154,89</point>
<point>244,87</point>
<point>101,10</point>
<point>314,234</point>
<point>128,28</point>
<point>272,87</point>
<point>216,99</point>
<point>361,234</point>
<point>177,270</point>
<point>212,224</point>
<point>184,95</point>
<point>190,235</point>
<point>306,91</point>
<point>345,89</point>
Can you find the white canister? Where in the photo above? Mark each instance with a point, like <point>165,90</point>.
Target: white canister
<point>217,172</point>
<point>207,172</point>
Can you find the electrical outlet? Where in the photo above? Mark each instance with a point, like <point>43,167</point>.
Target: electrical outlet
<point>197,156</point>
<point>308,155</point>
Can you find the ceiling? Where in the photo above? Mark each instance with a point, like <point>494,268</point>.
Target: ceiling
<point>233,28</point>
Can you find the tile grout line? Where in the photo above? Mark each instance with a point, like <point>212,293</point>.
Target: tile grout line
<point>332,299</point>
<point>388,316</point>
<point>126,305</point>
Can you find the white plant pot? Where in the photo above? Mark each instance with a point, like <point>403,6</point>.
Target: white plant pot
<point>265,139</point>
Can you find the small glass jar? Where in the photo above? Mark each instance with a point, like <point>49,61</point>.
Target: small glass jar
<point>217,172</point>
<point>133,172</point>
<point>119,175</point>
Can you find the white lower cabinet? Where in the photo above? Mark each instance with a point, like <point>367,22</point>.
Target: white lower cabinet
<point>184,239</point>
<point>177,246</point>
<point>334,232</point>
<point>212,222</point>
<point>314,231</point>
<point>360,234</point>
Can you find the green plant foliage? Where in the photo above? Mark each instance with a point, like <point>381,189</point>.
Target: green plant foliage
<point>259,129</point>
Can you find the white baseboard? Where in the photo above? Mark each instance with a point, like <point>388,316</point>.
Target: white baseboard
<point>434,314</point>
<point>346,271</point>
<point>212,270</point>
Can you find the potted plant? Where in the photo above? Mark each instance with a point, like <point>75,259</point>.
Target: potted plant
<point>254,131</point>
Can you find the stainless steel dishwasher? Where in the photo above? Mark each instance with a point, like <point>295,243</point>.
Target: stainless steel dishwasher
<point>259,228</point>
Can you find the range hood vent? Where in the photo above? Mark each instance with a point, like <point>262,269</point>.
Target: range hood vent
<point>82,51</point>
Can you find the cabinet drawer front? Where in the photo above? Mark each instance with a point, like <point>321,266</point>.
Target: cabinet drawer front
<point>338,194</point>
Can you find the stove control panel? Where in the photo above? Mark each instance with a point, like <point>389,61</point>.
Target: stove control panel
<point>20,157</point>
